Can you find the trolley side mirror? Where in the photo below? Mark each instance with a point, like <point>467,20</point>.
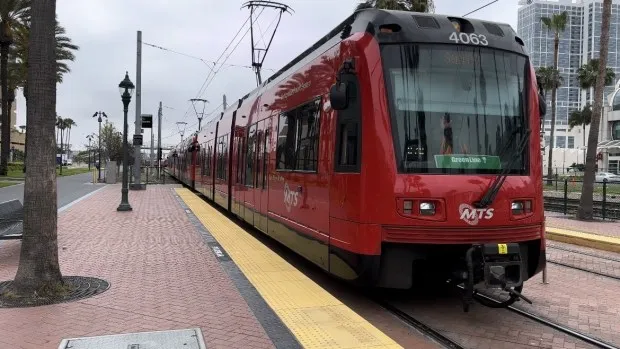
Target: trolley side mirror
<point>338,96</point>
<point>542,105</point>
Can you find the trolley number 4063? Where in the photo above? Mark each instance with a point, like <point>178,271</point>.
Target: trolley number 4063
<point>471,38</point>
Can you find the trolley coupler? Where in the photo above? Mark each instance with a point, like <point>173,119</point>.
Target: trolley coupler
<point>499,266</point>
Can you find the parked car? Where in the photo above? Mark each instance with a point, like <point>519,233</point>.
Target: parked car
<point>600,176</point>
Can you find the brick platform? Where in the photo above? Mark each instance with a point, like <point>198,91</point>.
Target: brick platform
<point>162,277</point>
<point>599,227</point>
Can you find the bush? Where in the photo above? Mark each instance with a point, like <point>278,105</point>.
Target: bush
<point>15,166</point>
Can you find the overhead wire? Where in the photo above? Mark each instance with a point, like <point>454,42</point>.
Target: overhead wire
<point>205,61</point>
<point>212,72</point>
<point>212,76</point>
<point>233,50</point>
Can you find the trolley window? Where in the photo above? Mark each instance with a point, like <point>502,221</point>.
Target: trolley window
<point>456,109</point>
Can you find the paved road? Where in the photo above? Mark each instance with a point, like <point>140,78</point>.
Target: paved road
<point>70,188</point>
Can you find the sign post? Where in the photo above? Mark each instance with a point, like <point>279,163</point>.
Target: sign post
<point>147,122</point>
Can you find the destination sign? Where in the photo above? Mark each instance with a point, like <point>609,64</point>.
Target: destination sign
<point>486,162</point>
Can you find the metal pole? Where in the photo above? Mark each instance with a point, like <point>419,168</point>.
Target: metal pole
<point>124,206</point>
<point>152,144</point>
<point>159,151</point>
<point>88,154</point>
<point>99,170</point>
<point>138,152</point>
<point>224,103</point>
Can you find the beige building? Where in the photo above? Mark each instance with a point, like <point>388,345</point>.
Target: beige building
<point>18,136</point>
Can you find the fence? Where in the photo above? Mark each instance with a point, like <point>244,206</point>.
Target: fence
<point>564,194</point>
<point>150,175</point>
<point>563,172</point>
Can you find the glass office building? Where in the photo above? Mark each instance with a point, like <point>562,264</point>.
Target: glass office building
<point>578,44</point>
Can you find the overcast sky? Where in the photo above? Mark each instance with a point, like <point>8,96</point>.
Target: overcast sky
<point>106,30</point>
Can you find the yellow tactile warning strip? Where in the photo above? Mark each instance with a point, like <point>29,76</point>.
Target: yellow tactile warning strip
<point>601,242</point>
<point>315,317</point>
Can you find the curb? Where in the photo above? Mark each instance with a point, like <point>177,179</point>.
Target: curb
<point>599,242</point>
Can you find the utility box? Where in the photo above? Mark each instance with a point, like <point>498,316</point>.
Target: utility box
<point>110,172</point>
<point>175,339</point>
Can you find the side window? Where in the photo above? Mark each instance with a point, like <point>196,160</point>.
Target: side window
<point>259,155</point>
<point>222,157</point>
<point>240,142</point>
<point>298,138</point>
<point>250,157</point>
<point>287,141</point>
<point>266,155</point>
<point>225,160</point>
<point>348,130</point>
<point>218,158</point>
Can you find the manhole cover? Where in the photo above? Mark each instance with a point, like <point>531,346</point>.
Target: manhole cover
<point>174,339</point>
<point>78,287</point>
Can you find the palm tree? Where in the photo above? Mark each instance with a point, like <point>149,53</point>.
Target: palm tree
<point>69,123</point>
<point>13,13</point>
<point>39,272</point>
<point>64,54</point>
<point>549,78</point>
<point>584,212</point>
<point>581,118</point>
<point>557,24</point>
<point>61,126</point>
<point>401,5</point>
<point>588,73</point>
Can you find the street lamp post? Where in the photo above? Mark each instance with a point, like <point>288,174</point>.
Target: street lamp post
<point>90,138</point>
<point>126,88</point>
<point>100,113</point>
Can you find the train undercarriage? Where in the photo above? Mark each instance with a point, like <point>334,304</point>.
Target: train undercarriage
<point>479,270</point>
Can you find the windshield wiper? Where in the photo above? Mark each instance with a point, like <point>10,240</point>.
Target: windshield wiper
<point>493,189</point>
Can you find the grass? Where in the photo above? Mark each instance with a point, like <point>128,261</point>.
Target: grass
<point>8,184</point>
<point>72,171</point>
<point>65,172</point>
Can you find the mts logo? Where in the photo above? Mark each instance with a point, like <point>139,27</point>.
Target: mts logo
<point>473,215</point>
<point>290,197</point>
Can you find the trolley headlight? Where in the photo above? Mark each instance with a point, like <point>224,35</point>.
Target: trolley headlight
<point>517,207</point>
<point>407,206</point>
<point>521,207</point>
<point>427,208</point>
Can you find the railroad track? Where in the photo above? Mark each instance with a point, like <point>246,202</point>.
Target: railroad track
<point>556,204</point>
<point>564,329</point>
<point>415,323</point>
<point>591,254</point>
<point>580,268</point>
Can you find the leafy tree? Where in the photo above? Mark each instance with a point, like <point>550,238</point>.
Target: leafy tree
<point>112,144</point>
<point>401,5</point>
<point>585,210</point>
<point>556,24</point>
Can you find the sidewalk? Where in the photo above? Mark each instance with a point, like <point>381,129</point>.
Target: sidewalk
<point>162,276</point>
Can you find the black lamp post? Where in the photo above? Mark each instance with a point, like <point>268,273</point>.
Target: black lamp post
<point>100,113</point>
<point>126,88</point>
<point>90,138</point>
